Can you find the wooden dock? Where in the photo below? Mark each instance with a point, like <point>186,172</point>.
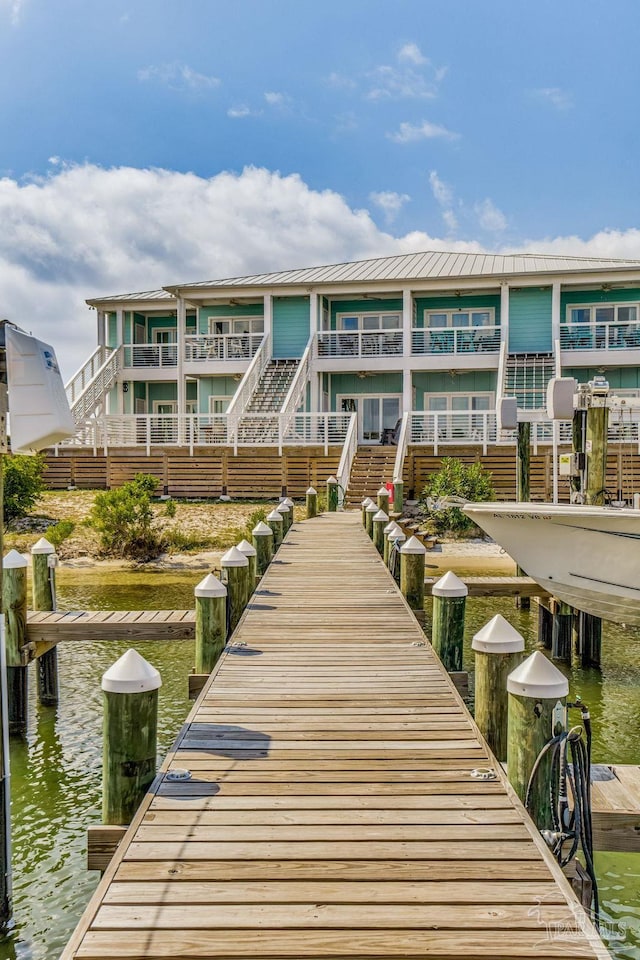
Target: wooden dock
<point>331,810</point>
<point>496,586</point>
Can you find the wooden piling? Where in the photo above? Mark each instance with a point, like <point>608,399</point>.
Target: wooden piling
<point>275,521</point>
<point>561,632</point>
<point>287,517</point>
<point>365,503</point>
<point>332,494</point>
<point>447,622</point>
<point>251,554</point>
<point>382,499</point>
<point>396,542</point>
<point>378,522</point>
<point>535,688</point>
<point>388,530</point>
<point>43,558</point>
<point>14,602</point>
<point>587,639</point>
<point>211,622</point>
<point>130,725</point>
<point>398,495</point>
<point>412,566</point>
<point>596,447</point>
<point>262,538</point>
<point>523,492</point>
<point>312,503</point>
<point>498,651</point>
<point>545,625</point>
<point>235,572</point>
<point>370,513</point>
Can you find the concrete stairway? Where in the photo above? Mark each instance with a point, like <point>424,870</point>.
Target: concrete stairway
<point>269,396</point>
<point>372,467</point>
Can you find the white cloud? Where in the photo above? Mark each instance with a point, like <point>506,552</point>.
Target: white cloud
<point>275,99</point>
<point>14,9</point>
<point>555,96</point>
<point>240,112</point>
<point>489,216</point>
<point>398,83</point>
<point>411,53</point>
<point>444,196</point>
<point>412,132</point>
<point>390,203</point>
<point>178,76</point>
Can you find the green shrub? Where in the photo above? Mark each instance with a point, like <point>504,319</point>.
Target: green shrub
<point>23,485</point>
<point>170,509</point>
<point>254,518</point>
<point>455,479</point>
<point>123,519</point>
<point>59,532</point>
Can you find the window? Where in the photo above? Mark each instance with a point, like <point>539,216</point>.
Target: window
<point>604,313</point>
<point>459,408</point>
<point>218,404</point>
<point>459,318</point>
<point>237,325</point>
<point>369,321</point>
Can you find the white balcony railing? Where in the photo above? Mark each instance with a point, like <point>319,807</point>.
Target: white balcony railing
<point>359,343</point>
<point>453,427</point>
<point>150,355</point>
<point>456,340</point>
<point>600,336</point>
<point>349,450</point>
<point>83,377</point>
<point>221,346</point>
<point>248,384</point>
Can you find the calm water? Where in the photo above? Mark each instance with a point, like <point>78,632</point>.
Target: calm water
<point>56,770</point>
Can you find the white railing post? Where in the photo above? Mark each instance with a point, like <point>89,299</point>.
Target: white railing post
<point>398,467</point>
<point>280,433</point>
<point>485,432</point>
<point>326,434</point>
<point>436,432</point>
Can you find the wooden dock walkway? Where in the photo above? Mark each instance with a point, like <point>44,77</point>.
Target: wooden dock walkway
<point>331,810</point>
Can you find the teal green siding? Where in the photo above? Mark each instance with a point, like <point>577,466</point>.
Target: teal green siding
<point>350,384</point>
<point>471,381</point>
<point>215,387</point>
<point>464,304</point>
<point>163,390</point>
<point>290,326</point>
<point>128,327</point>
<point>112,330</point>
<point>621,378</point>
<point>363,306</point>
<point>530,320</point>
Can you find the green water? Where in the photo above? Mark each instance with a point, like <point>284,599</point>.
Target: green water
<point>56,770</point>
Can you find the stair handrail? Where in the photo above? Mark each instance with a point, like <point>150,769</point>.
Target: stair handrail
<point>298,385</point>
<point>401,452</point>
<point>349,449</point>
<point>557,358</point>
<point>502,371</point>
<point>100,380</point>
<point>79,379</point>
<point>247,386</point>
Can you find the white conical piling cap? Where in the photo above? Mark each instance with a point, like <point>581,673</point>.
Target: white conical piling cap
<point>289,502</point>
<point>43,546</point>
<point>210,586</point>
<point>498,636</point>
<point>312,492</point>
<point>131,674</point>
<point>275,515</point>
<point>537,677</point>
<point>233,558</point>
<point>413,545</point>
<point>380,516</point>
<point>247,548</point>
<point>397,535</point>
<point>449,586</point>
<point>331,480</point>
<point>283,508</point>
<point>397,480</point>
<point>383,492</point>
<point>365,503</point>
<point>262,529</point>
<point>372,508</point>
<point>389,527</point>
<point>14,560</point>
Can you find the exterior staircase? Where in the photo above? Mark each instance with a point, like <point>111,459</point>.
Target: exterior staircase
<point>526,378</point>
<point>372,466</point>
<point>89,386</point>
<point>256,426</point>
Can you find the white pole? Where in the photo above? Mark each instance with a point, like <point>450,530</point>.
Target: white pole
<point>555,461</point>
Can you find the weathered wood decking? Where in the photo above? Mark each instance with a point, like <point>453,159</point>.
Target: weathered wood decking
<point>331,810</point>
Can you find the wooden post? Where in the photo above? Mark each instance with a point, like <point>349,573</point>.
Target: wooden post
<point>561,632</point>
<point>285,513</point>
<point>590,643</point>
<point>523,489</point>
<point>14,602</point>
<point>235,571</point>
<point>332,494</point>
<point>289,502</point>
<point>130,728</point>
<point>396,541</point>
<point>398,495</point>
<point>365,503</point>
<point>382,499</point>
<point>535,689</point>
<point>412,565</point>
<point>211,622</point>
<point>43,559</point>
<point>388,530</point>
<point>498,651</point>
<point>596,449</point>
<point>545,625</point>
<point>370,513</point>
<point>262,537</point>
<point>251,554</point>
<point>578,431</point>
<point>378,522</point>
<point>312,503</point>
<point>275,521</point>
<point>447,620</point>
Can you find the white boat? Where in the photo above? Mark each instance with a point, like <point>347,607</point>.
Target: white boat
<point>588,557</point>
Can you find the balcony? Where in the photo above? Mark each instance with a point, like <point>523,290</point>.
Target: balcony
<point>155,355</point>
<point>447,427</point>
<point>360,343</point>
<point>600,336</point>
<point>221,347</point>
<point>455,340</point>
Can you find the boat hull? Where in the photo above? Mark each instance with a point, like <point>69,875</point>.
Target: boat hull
<point>588,557</point>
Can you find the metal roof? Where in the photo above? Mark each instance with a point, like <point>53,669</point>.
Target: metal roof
<point>431,265</point>
<point>125,297</point>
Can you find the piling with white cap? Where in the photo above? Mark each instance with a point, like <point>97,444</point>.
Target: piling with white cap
<point>14,604</point>
<point>398,495</point>
<point>537,693</point>
<point>211,622</point>
<point>275,521</point>
<point>370,512</point>
<point>498,650</point>
<point>251,554</point>
<point>262,538</point>
<point>332,494</point>
<point>390,528</point>
<point>412,566</point>
<point>383,499</point>
<point>397,539</point>
<point>447,621</point>
<point>365,503</point>
<point>312,503</point>
<point>130,733</point>
<point>287,517</point>
<point>378,522</point>
<point>235,574</point>
<point>43,565</point>
<point>289,502</point>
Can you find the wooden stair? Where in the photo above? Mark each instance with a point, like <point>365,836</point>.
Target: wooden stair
<point>372,467</point>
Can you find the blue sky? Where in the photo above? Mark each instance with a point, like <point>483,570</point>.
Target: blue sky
<point>148,142</point>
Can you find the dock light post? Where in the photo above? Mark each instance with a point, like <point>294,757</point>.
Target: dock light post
<point>262,538</point>
<point>398,495</point>
<point>378,523</point>
<point>382,497</point>
<point>412,566</point>
<point>287,520</point>
<point>332,494</point>
<point>447,624</point>
<point>312,503</point>
<point>275,521</point>
<point>370,513</point>
<point>537,705</point>
<point>498,651</point>
<point>44,560</point>
<point>211,622</point>
<point>365,503</point>
<point>14,602</point>
<point>130,732</point>
<point>251,554</point>
<point>235,570</point>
